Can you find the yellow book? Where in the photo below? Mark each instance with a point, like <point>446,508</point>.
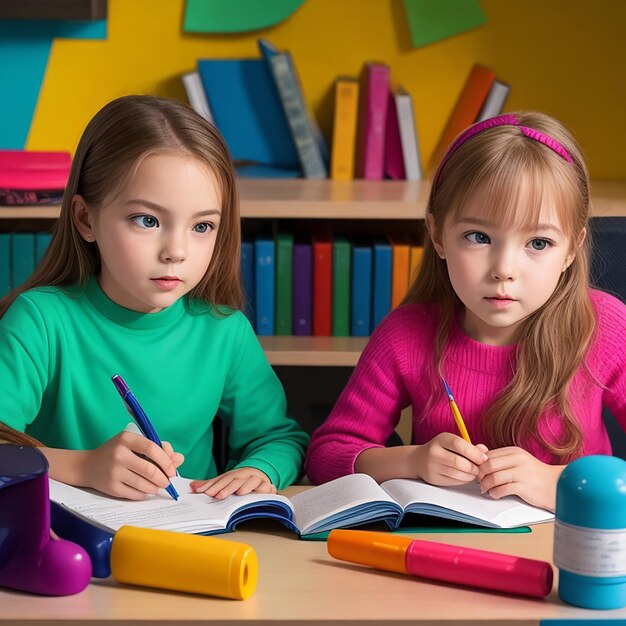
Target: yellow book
<point>415,258</point>
<point>399,268</point>
<point>344,128</point>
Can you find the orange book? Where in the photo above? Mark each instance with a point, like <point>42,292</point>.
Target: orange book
<point>415,258</point>
<point>467,107</point>
<point>399,268</point>
<point>344,128</point>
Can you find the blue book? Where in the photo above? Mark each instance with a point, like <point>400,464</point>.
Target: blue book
<point>381,296</point>
<point>5,264</point>
<point>22,256</point>
<point>248,112</point>
<point>361,294</point>
<point>264,284</point>
<point>247,278</point>
<point>302,288</point>
<point>309,141</point>
<point>42,241</point>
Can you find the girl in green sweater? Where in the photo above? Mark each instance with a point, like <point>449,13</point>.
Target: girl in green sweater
<point>142,279</point>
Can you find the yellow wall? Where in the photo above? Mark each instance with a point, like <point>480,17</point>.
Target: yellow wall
<point>566,57</point>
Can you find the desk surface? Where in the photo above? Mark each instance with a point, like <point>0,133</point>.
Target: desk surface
<point>300,583</point>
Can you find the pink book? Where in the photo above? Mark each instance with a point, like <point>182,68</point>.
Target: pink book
<point>394,159</point>
<point>34,159</point>
<point>33,179</point>
<point>372,121</point>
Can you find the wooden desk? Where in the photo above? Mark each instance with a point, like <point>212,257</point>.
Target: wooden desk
<point>300,583</point>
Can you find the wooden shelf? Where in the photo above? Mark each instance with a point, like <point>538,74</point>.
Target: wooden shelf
<point>314,351</point>
<point>328,199</point>
<point>354,200</point>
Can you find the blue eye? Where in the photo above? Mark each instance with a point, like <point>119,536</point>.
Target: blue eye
<point>478,237</point>
<point>540,244</point>
<point>147,221</point>
<point>203,227</point>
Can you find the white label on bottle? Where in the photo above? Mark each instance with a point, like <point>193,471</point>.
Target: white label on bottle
<point>595,552</point>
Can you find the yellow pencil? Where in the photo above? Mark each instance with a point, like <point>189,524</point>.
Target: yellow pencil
<point>457,414</point>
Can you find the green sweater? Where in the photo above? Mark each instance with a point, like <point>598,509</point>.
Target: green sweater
<point>186,364</point>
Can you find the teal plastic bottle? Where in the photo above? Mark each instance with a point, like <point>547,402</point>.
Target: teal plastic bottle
<point>590,532</point>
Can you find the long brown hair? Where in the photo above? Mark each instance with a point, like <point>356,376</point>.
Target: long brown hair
<point>514,175</point>
<point>114,143</point>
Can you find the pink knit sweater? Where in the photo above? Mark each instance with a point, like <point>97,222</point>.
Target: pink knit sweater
<point>391,375</point>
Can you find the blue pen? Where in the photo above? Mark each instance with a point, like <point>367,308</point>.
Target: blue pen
<point>139,415</point>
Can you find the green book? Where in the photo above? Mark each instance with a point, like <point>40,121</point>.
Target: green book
<point>341,286</point>
<point>284,283</point>
<point>22,256</point>
<point>5,264</point>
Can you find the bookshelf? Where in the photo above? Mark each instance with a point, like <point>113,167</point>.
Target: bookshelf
<point>335,200</point>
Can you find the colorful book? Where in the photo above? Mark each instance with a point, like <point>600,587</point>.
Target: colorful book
<point>42,241</point>
<point>341,286</point>
<point>33,179</point>
<point>372,121</point>
<point>408,135</point>
<point>394,158</point>
<point>264,284</point>
<point>247,279</point>
<point>345,121</point>
<point>467,107</point>
<point>34,160</point>
<point>5,264</point>
<point>400,268</point>
<point>196,95</point>
<point>302,288</point>
<point>322,284</point>
<point>17,197</point>
<point>494,103</point>
<point>361,291</point>
<point>284,282</point>
<point>248,112</point>
<point>309,142</point>
<point>415,259</point>
<point>22,257</point>
<point>381,283</point>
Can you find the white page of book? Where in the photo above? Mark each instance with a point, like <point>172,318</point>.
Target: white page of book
<point>317,504</point>
<point>191,513</point>
<point>466,499</point>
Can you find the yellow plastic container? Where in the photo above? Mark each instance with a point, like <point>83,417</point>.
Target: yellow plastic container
<point>183,562</point>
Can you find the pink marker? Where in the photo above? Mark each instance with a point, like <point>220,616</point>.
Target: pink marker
<point>443,561</point>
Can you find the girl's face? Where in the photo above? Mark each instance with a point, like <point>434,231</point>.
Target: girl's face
<point>502,274</point>
<point>156,239</point>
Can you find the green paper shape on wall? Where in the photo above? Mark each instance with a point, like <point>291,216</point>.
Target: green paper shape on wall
<point>235,16</point>
<point>433,20</point>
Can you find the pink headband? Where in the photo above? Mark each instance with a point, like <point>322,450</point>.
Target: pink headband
<point>501,120</point>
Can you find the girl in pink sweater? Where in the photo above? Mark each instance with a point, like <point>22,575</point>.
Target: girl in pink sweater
<point>502,309</point>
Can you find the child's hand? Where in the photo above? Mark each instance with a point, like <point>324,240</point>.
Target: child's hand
<point>129,466</point>
<point>448,459</point>
<point>513,471</point>
<point>241,481</point>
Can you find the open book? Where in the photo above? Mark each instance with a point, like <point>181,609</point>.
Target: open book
<point>347,501</point>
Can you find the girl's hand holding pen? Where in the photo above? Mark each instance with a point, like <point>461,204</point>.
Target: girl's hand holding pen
<point>118,469</point>
<point>447,459</point>
<point>240,481</point>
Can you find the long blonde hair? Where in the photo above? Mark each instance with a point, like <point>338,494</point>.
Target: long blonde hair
<point>514,175</point>
<point>114,143</point>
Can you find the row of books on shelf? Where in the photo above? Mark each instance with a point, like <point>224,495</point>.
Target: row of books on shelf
<point>20,253</point>
<point>260,108</point>
<point>325,285</point>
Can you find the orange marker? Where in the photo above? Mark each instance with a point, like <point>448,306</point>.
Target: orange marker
<point>457,414</point>
<point>443,561</point>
